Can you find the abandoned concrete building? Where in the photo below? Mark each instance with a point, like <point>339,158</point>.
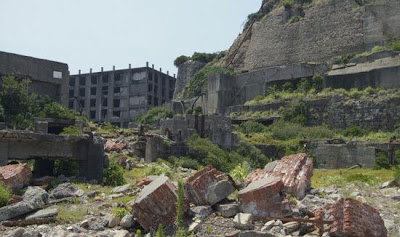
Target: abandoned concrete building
<point>47,77</point>
<point>117,96</point>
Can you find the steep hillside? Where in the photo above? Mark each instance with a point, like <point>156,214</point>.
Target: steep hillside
<point>286,32</point>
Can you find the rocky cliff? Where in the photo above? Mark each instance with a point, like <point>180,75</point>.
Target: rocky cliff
<point>313,32</point>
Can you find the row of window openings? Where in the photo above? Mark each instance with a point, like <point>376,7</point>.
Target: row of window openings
<point>150,89</point>
<point>150,101</point>
<point>93,91</point>
<point>94,79</point>
<point>116,103</point>
<point>104,114</point>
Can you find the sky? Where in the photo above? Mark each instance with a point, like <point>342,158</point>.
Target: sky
<point>102,33</point>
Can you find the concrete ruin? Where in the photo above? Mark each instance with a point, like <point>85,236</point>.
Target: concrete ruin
<point>119,95</point>
<point>47,77</point>
<point>45,148</point>
<point>354,218</point>
<point>207,187</point>
<point>264,198</point>
<point>295,172</point>
<point>156,204</point>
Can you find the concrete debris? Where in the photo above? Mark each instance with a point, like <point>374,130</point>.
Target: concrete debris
<point>295,172</point>
<point>45,213</point>
<point>228,210</point>
<point>244,221</point>
<point>207,187</point>
<point>114,146</point>
<point>353,218</point>
<point>122,189</point>
<point>66,190</point>
<point>195,226</point>
<point>16,176</point>
<point>264,198</point>
<point>201,212</point>
<point>156,204</point>
<point>127,221</point>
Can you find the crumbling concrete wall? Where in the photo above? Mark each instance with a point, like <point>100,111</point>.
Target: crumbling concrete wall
<point>85,150</point>
<point>185,72</point>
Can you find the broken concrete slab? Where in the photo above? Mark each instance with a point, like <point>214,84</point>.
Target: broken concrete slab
<point>354,218</point>
<point>16,176</point>
<point>45,213</point>
<point>207,187</point>
<point>244,221</point>
<point>228,210</point>
<point>295,171</point>
<point>156,204</point>
<point>201,211</point>
<point>33,199</point>
<point>122,189</point>
<point>66,190</point>
<point>264,198</point>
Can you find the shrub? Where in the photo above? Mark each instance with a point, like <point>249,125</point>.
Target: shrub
<point>66,167</point>
<point>120,212</point>
<point>377,48</point>
<point>181,60</point>
<point>204,57</point>
<point>294,19</point>
<point>113,175</point>
<point>138,233</point>
<point>248,153</point>
<point>287,3</point>
<point>5,194</point>
<point>395,46</point>
<point>353,131</point>
<point>184,162</point>
<point>286,131</point>
<point>240,172</point>
<point>179,205</point>
<point>251,126</point>
<point>159,170</point>
<point>397,173</point>
<point>71,131</point>
<point>160,232</point>
<point>288,86</point>
<point>252,18</point>
<point>318,82</point>
<point>344,59</point>
<point>297,112</point>
<point>153,115</point>
<point>56,110</point>
<point>381,161</point>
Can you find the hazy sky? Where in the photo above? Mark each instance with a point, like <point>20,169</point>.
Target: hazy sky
<point>95,33</point>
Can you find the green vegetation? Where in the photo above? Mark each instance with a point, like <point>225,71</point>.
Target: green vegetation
<point>18,108</point>
<point>343,177</point>
<point>70,213</point>
<point>252,18</point>
<point>120,212</point>
<point>207,153</point>
<point>294,19</point>
<point>395,46</point>
<point>199,79</point>
<point>396,174</point>
<point>138,233</point>
<point>5,194</point>
<point>159,232</point>
<point>181,60</point>
<point>184,162</point>
<point>113,175</point>
<point>159,170</point>
<point>240,172</point>
<point>153,115</point>
<point>71,131</point>
<point>66,167</point>
<point>199,57</point>
<point>288,4</point>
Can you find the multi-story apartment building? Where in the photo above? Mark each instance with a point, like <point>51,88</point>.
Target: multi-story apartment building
<point>119,95</point>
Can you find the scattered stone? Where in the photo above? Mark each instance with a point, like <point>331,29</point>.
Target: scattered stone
<point>203,187</point>
<point>112,221</point>
<point>201,211</point>
<point>44,181</point>
<point>143,182</point>
<point>98,224</point>
<point>228,210</point>
<point>121,233</point>
<point>114,196</point>
<point>234,233</point>
<point>93,193</point>
<point>32,233</point>
<point>243,221</point>
<point>161,193</point>
<point>388,184</point>
<point>84,224</point>
<point>396,196</point>
<point>263,198</point>
<point>122,189</point>
<point>253,233</point>
<point>195,226</point>
<point>267,226</point>
<point>353,218</point>
<point>356,194</point>
<point>16,176</point>
<point>65,190</point>
<point>45,213</point>
<point>295,171</point>
<point>33,199</point>
<point>17,233</point>
<point>127,221</point>
<point>290,227</point>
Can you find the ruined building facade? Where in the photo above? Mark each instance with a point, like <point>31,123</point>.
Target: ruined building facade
<point>47,77</point>
<point>119,95</point>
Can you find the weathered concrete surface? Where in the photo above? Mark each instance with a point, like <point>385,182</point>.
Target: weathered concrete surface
<point>16,176</point>
<point>201,188</point>
<point>185,72</point>
<point>22,145</point>
<point>327,29</point>
<point>353,218</point>
<point>294,171</point>
<point>156,204</point>
<point>264,198</point>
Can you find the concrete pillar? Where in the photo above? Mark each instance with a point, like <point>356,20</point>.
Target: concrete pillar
<point>113,68</point>
<point>79,72</point>
<point>102,69</point>
<point>147,64</point>
<point>3,153</point>
<point>92,167</point>
<point>152,66</point>
<point>90,71</point>
<point>130,66</point>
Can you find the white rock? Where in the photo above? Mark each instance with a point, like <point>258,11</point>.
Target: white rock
<point>243,221</point>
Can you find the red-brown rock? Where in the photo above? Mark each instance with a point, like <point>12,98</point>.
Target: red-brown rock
<point>356,219</point>
<point>295,171</point>
<point>114,146</point>
<point>156,204</point>
<point>143,182</point>
<point>14,199</point>
<point>200,187</point>
<point>264,198</point>
<point>16,176</point>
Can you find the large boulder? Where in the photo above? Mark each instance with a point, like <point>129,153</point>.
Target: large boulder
<point>16,176</point>
<point>66,190</point>
<point>208,186</point>
<point>156,204</point>
<point>34,198</point>
<point>354,218</point>
<point>264,198</point>
<point>295,172</point>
